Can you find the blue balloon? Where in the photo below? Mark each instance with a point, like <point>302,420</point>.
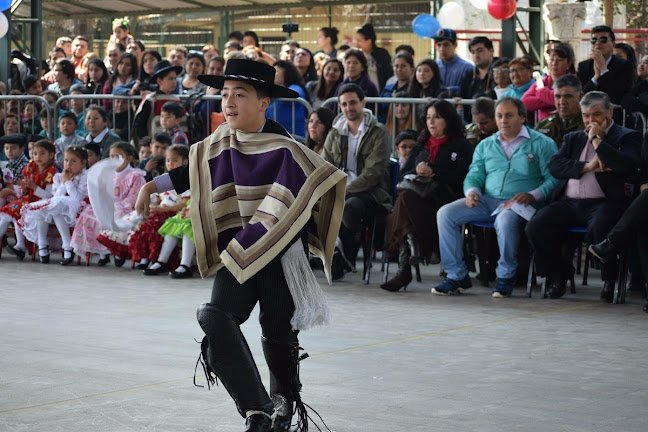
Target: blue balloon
<point>5,4</point>
<point>425,26</point>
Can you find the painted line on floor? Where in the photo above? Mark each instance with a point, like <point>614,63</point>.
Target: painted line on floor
<point>342,351</point>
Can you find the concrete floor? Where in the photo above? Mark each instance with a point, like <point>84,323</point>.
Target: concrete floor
<point>102,349</point>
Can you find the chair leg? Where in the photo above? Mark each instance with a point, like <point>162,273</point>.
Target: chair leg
<point>543,288</point>
<point>579,258</point>
<point>417,269</point>
<point>386,271</point>
<point>367,258</point>
<point>621,282</point>
<point>588,258</point>
<point>572,284</point>
<point>531,273</point>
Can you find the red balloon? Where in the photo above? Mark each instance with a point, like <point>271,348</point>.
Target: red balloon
<point>502,9</point>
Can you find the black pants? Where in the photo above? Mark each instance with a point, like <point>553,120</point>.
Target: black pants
<point>356,208</point>
<point>269,288</point>
<point>547,233</point>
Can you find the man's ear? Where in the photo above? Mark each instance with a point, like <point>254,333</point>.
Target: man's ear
<point>265,103</point>
<point>363,103</point>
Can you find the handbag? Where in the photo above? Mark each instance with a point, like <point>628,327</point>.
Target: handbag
<point>425,187</point>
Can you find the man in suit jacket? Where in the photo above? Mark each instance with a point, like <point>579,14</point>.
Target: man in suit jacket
<point>604,71</point>
<point>592,167</point>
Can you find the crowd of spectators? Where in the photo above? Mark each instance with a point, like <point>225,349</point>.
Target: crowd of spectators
<point>545,139</point>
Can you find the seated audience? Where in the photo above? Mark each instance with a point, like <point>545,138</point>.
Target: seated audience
<point>170,118</point>
<point>403,144</point>
<point>94,153</point>
<point>509,166</point>
<point>77,106</point>
<point>400,116</point>
<point>501,78</point>
<point>540,97</point>
<point>327,38</point>
<point>403,65</point>
<point>318,125</point>
<point>568,93</point>
<point>379,66</point>
<point>291,115</point>
<point>96,79</point>
<point>144,149</point>
<point>155,164</point>
<point>637,98</point>
<point>355,69</point>
<point>68,124</point>
<point>452,68</point>
<point>125,72</point>
<point>479,81</point>
<point>122,116</point>
<point>64,77</point>
<point>483,125</point>
<point>96,122</point>
<point>195,65</point>
<point>520,71</point>
<point>360,146</point>
<point>425,83</point>
<point>327,84</point>
<point>592,168</point>
<point>13,147</point>
<point>440,161</point>
<point>305,64</point>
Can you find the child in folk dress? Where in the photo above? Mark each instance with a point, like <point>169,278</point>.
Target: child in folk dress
<point>70,193</point>
<point>35,185</point>
<point>144,243</point>
<point>127,182</point>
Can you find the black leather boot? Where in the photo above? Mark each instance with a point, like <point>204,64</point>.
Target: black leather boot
<point>404,274</point>
<point>228,358</point>
<point>415,250</point>
<point>282,359</point>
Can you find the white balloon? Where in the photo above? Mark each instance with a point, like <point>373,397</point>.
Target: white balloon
<point>480,4</point>
<point>4,25</point>
<point>451,15</point>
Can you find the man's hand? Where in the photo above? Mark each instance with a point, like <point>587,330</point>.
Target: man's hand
<point>599,63</point>
<point>151,165</point>
<point>144,199</point>
<point>424,170</point>
<point>595,165</point>
<point>524,199</point>
<point>472,200</point>
<point>594,129</point>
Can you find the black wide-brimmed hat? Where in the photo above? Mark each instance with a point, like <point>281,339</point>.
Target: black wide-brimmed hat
<point>162,67</point>
<point>252,72</point>
<point>19,139</point>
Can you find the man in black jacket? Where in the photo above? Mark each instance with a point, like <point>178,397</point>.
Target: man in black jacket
<point>593,167</point>
<point>479,81</point>
<point>604,71</point>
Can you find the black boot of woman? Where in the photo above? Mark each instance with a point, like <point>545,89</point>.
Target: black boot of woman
<point>404,275</point>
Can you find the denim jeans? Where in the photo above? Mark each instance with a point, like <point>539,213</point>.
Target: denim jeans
<point>450,219</point>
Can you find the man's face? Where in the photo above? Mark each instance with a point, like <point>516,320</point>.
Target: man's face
<point>446,49</point>
<point>351,106</point>
<point>67,126</point>
<point>287,52</point>
<point>79,48</point>
<point>485,124</point>
<point>12,151</point>
<point>597,114</point>
<point>603,42</point>
<point>67,47</point>
<point>509,121</point>
<point>158,148</point>
<point>168,120</point>
<point>242,107</point>
<point>113,56</point>
<point>402,69</point>
<point>177,58</point>
<point>566,100</point>
<point>481,56</point>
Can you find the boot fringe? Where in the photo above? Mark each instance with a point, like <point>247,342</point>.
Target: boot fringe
<point>302,408</point>
<point>210,375</point>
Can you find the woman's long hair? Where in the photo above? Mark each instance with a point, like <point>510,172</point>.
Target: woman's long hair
<point>415,89</point>
<point>321,86</point>
<point>126,57</point>
<point>454,124</point>
<point>143,76</point>
<point>326,116</point>
<point>390,124</point>
<point>291,75</point>
<point>101,65</point>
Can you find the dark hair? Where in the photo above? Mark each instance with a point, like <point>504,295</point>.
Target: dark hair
<point>321,85</point>
<point>568,80</point>
<point>517,102</point>
<point>79,152</point>
<point>100,110</point>
<point>180,150</point>
<point>603,29</point>
<point>63,40</point>
<point>181,48</point>
<point>126,148</point>
<point>83,38</point>
<point>67,67</point>
<point>291,75</point>
<point>44,113</point>
<point>351,88</point>
<point>94,148</point>
<point>199,56</point>
<point>331,33</point>
<point>173,108</point>
<point>500,61</point>
<point>219,59</point>
<point>484,105</point>
<point>143,76</point>
<point>69,115</point>
<point>522,61</point>
<point>353,52</point>
<point>311,72</point>
<point>404,55</point>
<point>120,46</point>
<point>124,57</point>
<point>46,144</point>
<point>407,48</point>
<point>253,35</point>
<point>480,40</point>
<point>368,32</point>
<point>162,138</point>
<point>326,116</point>
<point>55,50</point>
<point>144,142</point>
<point>139,43</point>
<point>101,65</point>
<point>234,44</point>
<point>563,50</point>
<point>236,34</point>
<point>405,134</point>
<point>80,88</point>
<point>629,51</point>
<point>454,123</point>
<point>344,47</point>
<point>29,81</point>
<point>415,89</point>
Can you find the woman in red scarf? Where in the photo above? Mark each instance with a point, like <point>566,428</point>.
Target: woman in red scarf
<point>441,157</point>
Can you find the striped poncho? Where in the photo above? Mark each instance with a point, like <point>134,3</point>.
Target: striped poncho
<point>252,194</point>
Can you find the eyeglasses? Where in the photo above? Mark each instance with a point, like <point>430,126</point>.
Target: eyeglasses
<point>301,53</point>
<point>602,39</point>
<point>501,70</point>
<point>516,70</point>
